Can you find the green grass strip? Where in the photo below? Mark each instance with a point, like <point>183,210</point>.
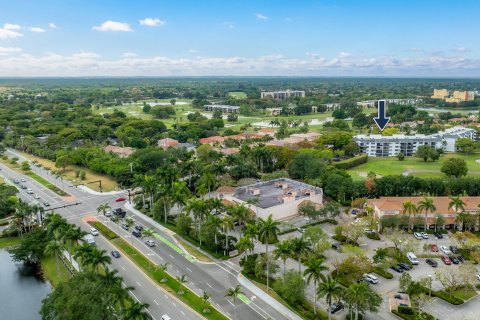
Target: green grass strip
<point>244,298</point>
<point>176,248</point>
<point>46,184</point>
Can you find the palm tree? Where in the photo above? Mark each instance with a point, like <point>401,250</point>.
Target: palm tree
<point>457,204</point>
<point>136,311</point>
<point>244,244</point>
<point>103,208</point>
<point>331,290</point>
<point>209,180</point>
<point>83,251</point>
<point>227,225</point>
<point>314,270</point>
<point>241,213</point>
<point>251,230</point>
<point>72,234</point>
<point>283,251</point>
<point>182,280</point>
<point>360,296</point>
<point>54,248</point>
<point>164,268</point>
<point>54,222</point>
<point>426,205</point>
<point>234,293</point>
<point>148,233</point>
<point>300,246</point>
<point>179,194</point>
<point>409,208</point>
<point>214,223</point>
<point>205,303</point>
<point>267,232</point>
<point>97,258</point>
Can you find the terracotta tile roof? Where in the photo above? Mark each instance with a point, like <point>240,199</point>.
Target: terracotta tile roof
<point>441,203</point>
<point>211,139</point>
<point>167,142</point>
<point>121,151</point>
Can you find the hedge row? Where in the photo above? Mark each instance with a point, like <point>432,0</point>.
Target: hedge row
<point>411,314</point>
<point>352,162</point>
<point>344,240</point>
<point>444,295</point>
<point>103,229</point>
<point>382,273</point>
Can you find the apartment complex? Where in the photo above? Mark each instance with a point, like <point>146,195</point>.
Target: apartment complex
<point>455,97</point>
<point>376,145</point>
<point>282,95</point>
<point>373,103</point>
<point>392,206</point>
<point>222,108</point>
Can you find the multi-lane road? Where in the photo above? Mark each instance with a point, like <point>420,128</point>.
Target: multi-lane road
<point>213,278</point>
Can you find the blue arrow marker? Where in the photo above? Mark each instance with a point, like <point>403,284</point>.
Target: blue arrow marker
<point>381,119</point>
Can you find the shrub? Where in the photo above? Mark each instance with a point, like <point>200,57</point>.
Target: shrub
<point>373,236</point>
<point>341,238</point>
<point>383,273</point>
<point>442,294</point>
<point>352,162</point>
<point>405,310</point>
<point>331,221</point>
<point>248,264</point>
<point>103,229</point>
<point>413,316</point>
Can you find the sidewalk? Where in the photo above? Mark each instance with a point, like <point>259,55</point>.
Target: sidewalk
<point>267,298</point>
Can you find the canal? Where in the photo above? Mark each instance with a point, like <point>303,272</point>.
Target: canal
<point>21,291</point>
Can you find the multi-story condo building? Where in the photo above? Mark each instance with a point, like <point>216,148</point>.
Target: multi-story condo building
<point>376,145</point>
<point>282,95</point>
<point>373,103</point>
<point>440,94</point>
<point>456,97</point>
<point>222,108</point>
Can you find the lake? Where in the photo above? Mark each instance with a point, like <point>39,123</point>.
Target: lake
<point>21,291</point>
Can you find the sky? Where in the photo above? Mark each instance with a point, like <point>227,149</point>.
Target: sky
<point>406,38</point>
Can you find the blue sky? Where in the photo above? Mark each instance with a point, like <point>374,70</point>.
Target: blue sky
<point>239,37</point>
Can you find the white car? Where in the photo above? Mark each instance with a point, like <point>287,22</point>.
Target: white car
<point>23,180</point>
<point>370,278</point>
<point>36,196</point>
<point>418,235</point>
<point>29,191</point>
<point>478,276</point>
<point>424,235</point>
<point>94,232</point>
<point>150,243</point>
<point>445,250</point>
<point>108,213</point>
<point>166,317</point>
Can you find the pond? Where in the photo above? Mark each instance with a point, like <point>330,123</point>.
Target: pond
<point>21,291</point>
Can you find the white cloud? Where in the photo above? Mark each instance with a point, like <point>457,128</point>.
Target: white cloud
<point>37,29</point>
<point>92,64</point>
<point>192,51</point>
<point>7,31</point>
<point>462,49</point>
<point>128,55</point>
<point>52,25</point>
<point>4,51</point>
<point>113,26</point>
<point>10,26</point>
<point>261,16</point>
<point>343,55</point>
<point>151,22</point>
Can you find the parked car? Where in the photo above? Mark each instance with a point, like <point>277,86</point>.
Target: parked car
<point>94,232</point>
<point>137,233</point>
<point>432,263</point>
<point>150,243</point>
<point>434,248</point>
<point>438,235</point>
<point>461,258</point>
<point>454,259</point>
<point>404,266</point>
<point>454,249</point>
<point>139,228</point>
<point>446,260</point>
<point>124,226</point>
<point>370,278</point>
<point>336,306</point>
<point>397,268</point>
<point>120,199</point>
<point>337,247</point>
<point>424,235</point>
<point>116,254</point>
<point>412,258</point>
<point>418,235</point>
<point>301,230</point>
<point>445,250</point>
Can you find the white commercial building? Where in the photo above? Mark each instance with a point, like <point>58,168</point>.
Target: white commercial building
<point>282,95</point>
<point>376,145</point>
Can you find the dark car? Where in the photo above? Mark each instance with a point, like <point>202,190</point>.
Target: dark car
<point>454,259</point>
<point>139,228</point>
<point>124,226</point>
<point>454,249</point>
<point>24,186</point>
<point>46,204</point>
<point>335,307</point>
<point>404,266</point>
<point>432,263</point>
<point>120,212</point>
<point>461,259</point>
<point>137,233</point>
<point>438,235</point>
<point>397,268</point>
<point>16,181</point>
<point>116,254</point>
<point>337,247</point>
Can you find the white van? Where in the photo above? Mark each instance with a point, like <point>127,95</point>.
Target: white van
<point>412,257</point>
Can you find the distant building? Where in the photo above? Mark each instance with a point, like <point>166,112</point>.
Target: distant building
<point>440,94</point>
<point>222,108</point>
<point>167,143</point>
<point>188,146</point>
<point>456,97</point>
<point>211,140</point>
<point>373,103</point>
<point>280,198</point>
<point>376,145</point>
<point>273,111</point>
<point>122,152</point>
<point>309,136</point>
<point>282,95</point>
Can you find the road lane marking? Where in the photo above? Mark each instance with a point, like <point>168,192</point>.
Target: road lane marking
<point>123,268</point>
<point>174,304</point>
<point>183,313</point>
<point>208,284</point>
<point>155,302</point>
<point>230,302</point>
<point>139,284</point>
<point>171,256</point>
<point>189,270</point>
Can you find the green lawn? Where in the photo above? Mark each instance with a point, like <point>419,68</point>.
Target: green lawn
<point>237,94</point>
<point>46,184</point>
<point>464,293</point>
<point>392,166</point>
<point>49,267</point>
<point>7,242</point>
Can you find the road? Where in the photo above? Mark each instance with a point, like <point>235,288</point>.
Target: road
<point>213,278</point>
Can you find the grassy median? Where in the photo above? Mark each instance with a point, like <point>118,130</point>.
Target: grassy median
<point>46,184</point>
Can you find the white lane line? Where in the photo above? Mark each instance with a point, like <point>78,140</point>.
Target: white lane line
<point>189,270</point>
<point>208,284</point>
<point>166,297</point>
<point>155,302</point>
<point>123,268</point>
<point>139,284</point>
<point>230,302</point>
<point>171,256</point>
<point>183,313</point>
<point>174,304</point>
